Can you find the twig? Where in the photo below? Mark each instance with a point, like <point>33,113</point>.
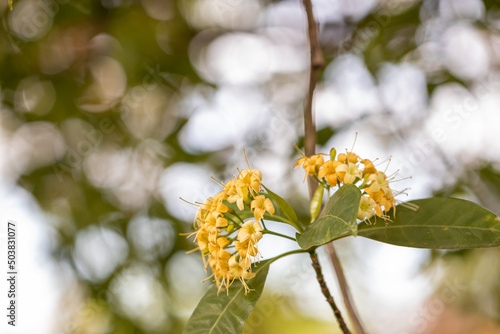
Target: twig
<point>344,288</point>
<point>317,65</point>
<point>326,292</point>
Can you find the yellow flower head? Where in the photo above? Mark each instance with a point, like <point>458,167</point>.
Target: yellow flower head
<point>217,232</point>
<point>349,168</point>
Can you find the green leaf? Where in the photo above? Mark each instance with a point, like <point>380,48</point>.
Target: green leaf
<point>440,223</point>
<point>286,209</point>
<point>337,218</point>
<point>227,313</point>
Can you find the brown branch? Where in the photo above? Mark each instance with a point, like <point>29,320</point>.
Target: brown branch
<point>317,65</point>
<point>344,288</point>
<point>326,292</point>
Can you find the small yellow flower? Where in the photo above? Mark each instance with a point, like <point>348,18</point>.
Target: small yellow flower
<point>250,232</point>
<point>260,205</point>
<point>379,182</point>
<point>204,209</point>
<point>213,221</point>
<point>251,178</point>
<point>218,246</point>
<point>353,158</point>
<point>236,193</point>
<point>220,269</point>
<point>238,270</point>
<point>387,201</point>
<point>328,172</point>
<point>369,167</point>
<point>376,195</point>
<point>218,206</point>
<point>348,173</point>
<point>246,249</point>
<point>366,208</point>
<point>217,251</point>
<point>311,164</point>
<point>202,238</point>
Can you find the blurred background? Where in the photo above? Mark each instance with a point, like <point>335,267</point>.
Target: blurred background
<point>111,110</point>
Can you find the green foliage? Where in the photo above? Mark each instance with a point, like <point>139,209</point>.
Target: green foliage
<point>439,223</point>
<point>286,209</point>
<point>337,218</point>
<point>226,313</point>
<point>387,36</point>
<point>322,136</point>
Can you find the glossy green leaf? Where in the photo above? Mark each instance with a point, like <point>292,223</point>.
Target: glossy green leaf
<point>227,313</point>
<point>337,218</point>
<point>440,223</point>
<point>286,209</point>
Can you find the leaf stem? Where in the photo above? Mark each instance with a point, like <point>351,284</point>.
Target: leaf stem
<point>326,292</point>
<point>263,225</point>
<point>278,234</point>
<point>297,251</point>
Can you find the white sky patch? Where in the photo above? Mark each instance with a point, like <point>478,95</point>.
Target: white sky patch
<point>465,51</point>
<point>396,289</point>
<point>403,90</point>
<point>235,58</point>
<point>38,285</point>
<point>354,83</point>
<point>189,181</point>
<point>225,120</point>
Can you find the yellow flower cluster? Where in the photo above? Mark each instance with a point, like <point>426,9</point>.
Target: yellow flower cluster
<point>227,243</point>
<point>377,197</point>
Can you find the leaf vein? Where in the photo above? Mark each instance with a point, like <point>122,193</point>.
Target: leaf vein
<point>342,220</point>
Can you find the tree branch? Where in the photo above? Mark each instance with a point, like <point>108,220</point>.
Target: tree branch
<point>326,292</point>
<point>317,65</point>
